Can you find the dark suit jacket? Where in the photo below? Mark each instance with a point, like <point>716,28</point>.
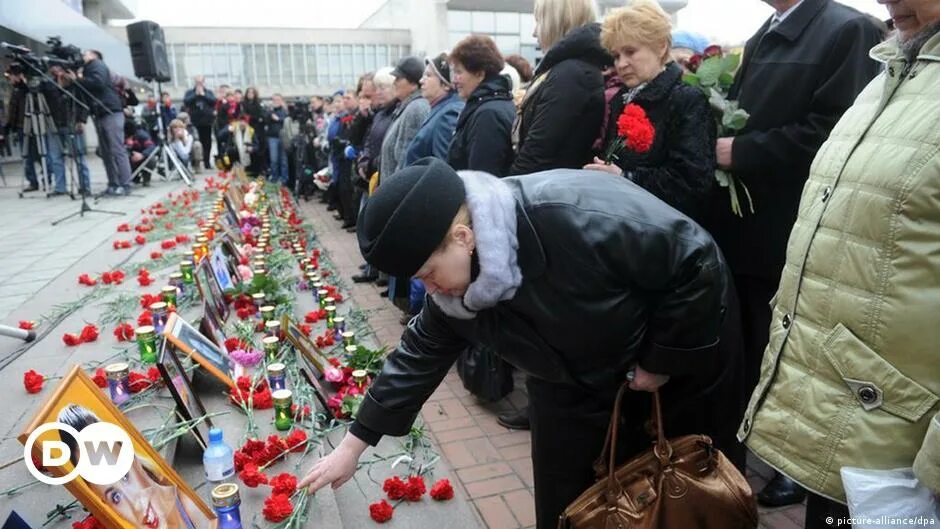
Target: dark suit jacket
<point>796,81</point>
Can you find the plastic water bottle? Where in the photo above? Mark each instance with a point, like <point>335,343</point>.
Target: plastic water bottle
<point>219,459</point>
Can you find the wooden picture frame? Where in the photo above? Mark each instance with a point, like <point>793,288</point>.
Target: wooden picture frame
<point>210,290</point>
<point>307,349</point>
<point>188,404</point>
<point>200,348</point>
<point>222,270</point>
<point>77,401</point>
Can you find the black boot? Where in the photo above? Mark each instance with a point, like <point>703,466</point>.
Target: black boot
<point>365,278</point>
<point>515,420</point>
<point>781,491</point>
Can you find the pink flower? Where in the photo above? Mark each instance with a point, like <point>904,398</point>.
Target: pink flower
<point>246,358</point>
<point>332,374</point>
<point>245,273</point>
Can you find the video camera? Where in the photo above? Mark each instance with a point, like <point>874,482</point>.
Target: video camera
<point>299,111</point>
<point>66,56</point>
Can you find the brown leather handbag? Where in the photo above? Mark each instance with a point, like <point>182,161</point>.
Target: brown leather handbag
<point>683,483</point>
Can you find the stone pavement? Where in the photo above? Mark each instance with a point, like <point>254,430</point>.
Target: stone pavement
<point>493,464</point>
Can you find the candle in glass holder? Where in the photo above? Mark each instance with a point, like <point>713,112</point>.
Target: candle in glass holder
<point>186,268</point>
<point>272,345</point>
<point>258,300</point>
<point>349,338</point>
<point>119,382</point>
<point>259,271</point>
<point>200,249</point>
<point>359,377</point>
<point>282,415</point>
<point>267,313</point>
<point>169,295</point>
<point>258,262</point>
<point>226,503</point>
<point>330,316</point>
<point>272,328</point>
<point>277,378</point>
<point>190,256</point>
<point>176,279</point>
<point>351,350</point>
<point>322,295</point>
<point>146,344</point>
<point>339,327</point>
<point>159,312</point>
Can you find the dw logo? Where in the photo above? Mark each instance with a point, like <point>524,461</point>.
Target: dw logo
<point>105,453</point>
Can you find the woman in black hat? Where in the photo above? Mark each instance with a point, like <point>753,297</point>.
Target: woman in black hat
<point>575,277</point>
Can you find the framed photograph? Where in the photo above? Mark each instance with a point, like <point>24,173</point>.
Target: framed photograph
<point>307,349</point>
<point>318,390</point>
<point>188,405</point>
<point>212,328</point>
<point>201,349</point>
<point>167,500</point>
<point>209,289</point>
<point>221,269</point>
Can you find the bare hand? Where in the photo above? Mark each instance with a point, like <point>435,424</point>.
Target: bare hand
<point>274,117</point>
<point>601,165</point>
<point>723,152</point>
<point>336,468</point>
<point>646,381</point>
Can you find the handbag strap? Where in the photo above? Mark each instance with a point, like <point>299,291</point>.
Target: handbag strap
<point>662,449</point>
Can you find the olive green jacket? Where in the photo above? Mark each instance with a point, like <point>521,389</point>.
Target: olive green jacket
<point>851,374</point>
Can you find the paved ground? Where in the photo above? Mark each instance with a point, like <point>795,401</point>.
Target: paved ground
<point>493,464</point>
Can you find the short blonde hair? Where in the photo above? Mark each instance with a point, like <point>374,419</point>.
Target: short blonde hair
<point>642,21</point>
<point>383,77</point>
<point>176,124</point>
<point>555,18</point>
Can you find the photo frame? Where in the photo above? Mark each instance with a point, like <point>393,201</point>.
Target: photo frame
<point>305,347</point>
<point>318,389</point>
<point>188,404</point>
<point>211,327</point>
<point>210,290</point>
<point>220,269</point>
<point>78,402</point>
<point>200,348</point>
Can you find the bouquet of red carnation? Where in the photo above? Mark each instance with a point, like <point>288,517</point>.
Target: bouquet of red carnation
<point>635,132</point>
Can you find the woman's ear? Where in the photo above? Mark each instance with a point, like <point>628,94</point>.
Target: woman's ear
<point>463,235</point>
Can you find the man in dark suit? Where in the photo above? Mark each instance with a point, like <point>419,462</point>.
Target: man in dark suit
<point>801,70</point>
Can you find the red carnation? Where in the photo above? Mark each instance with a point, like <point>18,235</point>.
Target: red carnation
<point>168,244</point>
<point>283,483</point>
<point>138,382</point>
<point>141,240</point>
<point>298,438</point>
<point>415,488</point>
<point>145,318</point>
<point>27,325</point>
<point>71,340</point>
<point>233,343</point>
<point>89,333</point>
<point>181,238</point>
<point>442,490</point>
<point>243,383</point>
<point>395,488</point>
<point>32,381</point>
<point>277,508</point>
<point>263,400</point>
<point>90,522</point>
<point>251,477</point>
<point>145,280</point>
<point>168,225</point>
<point>154,374</point>
<point>312,317</point>
<point>149,299</point>
<point>100,378</point>
<point>381,511</point>
<point>124,227</point>
<point>244,313</point>
<point>635,129</point>
<point>305,328</point>
<point>87,280</point>
<point>155,255</point>
<point>124,332</point>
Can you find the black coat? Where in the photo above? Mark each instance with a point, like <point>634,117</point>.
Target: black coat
<point>96,78</point>
<point>611,276</point>
<point>483,137</point>
<point>272,127</point>
<point>255,112</point>
<point>796,82</point>
<point>562,116</point>
<point>201,107</point>
<point>680,166</point>
<point>370,157</point>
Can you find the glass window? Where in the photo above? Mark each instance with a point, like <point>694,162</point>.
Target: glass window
<point>459,21</point>
<point>248,64</point>
<point>336,72</point>
<point>310,55</point>
<point>181,78</point>
<point>507,23</point>
<point>261,65</point>
<point>323,64</point>
<point>370,62</point>
<point>530,53</point>
<point>359,60</point>
<point>526,28</point>
<point>507,44</point>
<point>381,53</point>
<point>346,62</point>
<point>237,65</point>
<point>484,22</point>
<point>287,68</point>
<point>274,65</point>
<point>300,64</point>
<point>220,64</point>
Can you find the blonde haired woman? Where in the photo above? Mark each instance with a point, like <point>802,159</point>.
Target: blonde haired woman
<point>561,114</point>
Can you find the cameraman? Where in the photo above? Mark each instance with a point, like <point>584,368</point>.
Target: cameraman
<point>28,148</point>
<point>96,78</point>
<point>69,135</point>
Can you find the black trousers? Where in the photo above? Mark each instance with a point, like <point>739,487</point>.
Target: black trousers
<point>347,207</point>
<point>754,294</point>
<point>819,509</point>
<point>205,138</point>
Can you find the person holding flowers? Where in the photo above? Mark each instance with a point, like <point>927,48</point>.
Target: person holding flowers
<point>660,132</point>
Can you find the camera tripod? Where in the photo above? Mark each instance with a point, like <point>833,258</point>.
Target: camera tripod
<point>37,122</point>
<point>167,163</point>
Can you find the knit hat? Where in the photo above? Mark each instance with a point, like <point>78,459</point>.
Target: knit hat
<point>408,216</point>
<point>689,40</point>
<point>411,68</point>
<point>441,68</point>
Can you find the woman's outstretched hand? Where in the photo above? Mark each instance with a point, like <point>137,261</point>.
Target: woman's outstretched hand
<point>643,380</point>
<point>337,468</point>
<point>601,165</point>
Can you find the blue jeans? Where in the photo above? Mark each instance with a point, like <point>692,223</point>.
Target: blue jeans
<point>57,147</point>
<point>30,154</point>
<point>278,156</point>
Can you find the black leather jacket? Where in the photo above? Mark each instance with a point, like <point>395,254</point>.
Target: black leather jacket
<point>611,276</point>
